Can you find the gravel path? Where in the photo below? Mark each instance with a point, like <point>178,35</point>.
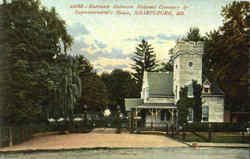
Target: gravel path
<point>98,138</point>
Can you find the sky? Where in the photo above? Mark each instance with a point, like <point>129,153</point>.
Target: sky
<point>109,41</point>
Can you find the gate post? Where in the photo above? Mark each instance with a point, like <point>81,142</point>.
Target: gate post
<point>183,135</point>
<point>209,133</point>
<point>10,136</point>
<point>131,121</point>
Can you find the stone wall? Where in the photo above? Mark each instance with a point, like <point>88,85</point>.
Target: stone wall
<point>182,47</point>
<point>215,108</point>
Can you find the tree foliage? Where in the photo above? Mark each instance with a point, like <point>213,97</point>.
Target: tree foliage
<point>226,55</point>
<point>193,35</point>
<point>144,60</point>
<point>33,35</point>
<point>120,85</point>
<point>66,87</point>
<point>94,93</point>
<point>185,102</point>
<point>167,66</point>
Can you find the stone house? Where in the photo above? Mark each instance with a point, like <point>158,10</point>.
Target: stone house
<point>160,90</point>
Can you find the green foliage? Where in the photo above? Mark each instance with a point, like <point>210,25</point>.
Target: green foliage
<point>144,60</point>
<point>226,55</point>
<point>94,93</point>
<point>182,106</point>
<point>120,85</point>
<point>166,67</point>
<point>193,35</point>
<point>65,87</point>
<point>184,103</point>
<point>33,35</point>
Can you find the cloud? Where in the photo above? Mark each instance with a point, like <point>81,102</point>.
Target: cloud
<point>93,47</point>
<point>168,36</point>
<point>100,44</point>
<point>107,64</point>
<point>78,29</point>
<point>79,46</point>
<point>109,67</point>
<point>114,53</point>
<point>160,37</point>
<point>139,38</point>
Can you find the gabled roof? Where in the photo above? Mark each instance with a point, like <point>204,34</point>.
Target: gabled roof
<point>160,84</point>
<point>206,82</point>
<point>214,88</point>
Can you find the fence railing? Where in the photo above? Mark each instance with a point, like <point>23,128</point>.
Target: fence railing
<point>216,127</point>
<point>208,131</point>
<point>14,135</point>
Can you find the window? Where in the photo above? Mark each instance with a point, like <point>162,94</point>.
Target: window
<point>190,93</point>
<point>190,114</point>
<point>205,113</point>
<point>190,64</point>
<point>206,90</point>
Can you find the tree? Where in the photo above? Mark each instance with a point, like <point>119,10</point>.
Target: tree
<point>34,36</point>
<point>94,91</point>
<point>193,35</point>
<point>69,87</point>
<point>167,66</point>
<point>144,60</point>
<point>120,85</point>
<point>208,59</point>
<point>227,51</point>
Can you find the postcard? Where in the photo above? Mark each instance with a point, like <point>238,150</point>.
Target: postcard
<point>124,79</point>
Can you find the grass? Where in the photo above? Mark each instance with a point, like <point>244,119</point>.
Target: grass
<point>218,137</point>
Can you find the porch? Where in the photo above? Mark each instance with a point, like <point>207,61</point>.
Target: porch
<point>153,116</point>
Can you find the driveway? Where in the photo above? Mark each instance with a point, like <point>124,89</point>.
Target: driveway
<point>97,138</point>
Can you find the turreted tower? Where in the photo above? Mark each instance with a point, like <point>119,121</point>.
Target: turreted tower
<point>187,64</point>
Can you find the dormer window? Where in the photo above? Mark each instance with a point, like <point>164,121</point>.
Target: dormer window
<point>190,64</point>
<point>206,87</point>
<point>206,90</point>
